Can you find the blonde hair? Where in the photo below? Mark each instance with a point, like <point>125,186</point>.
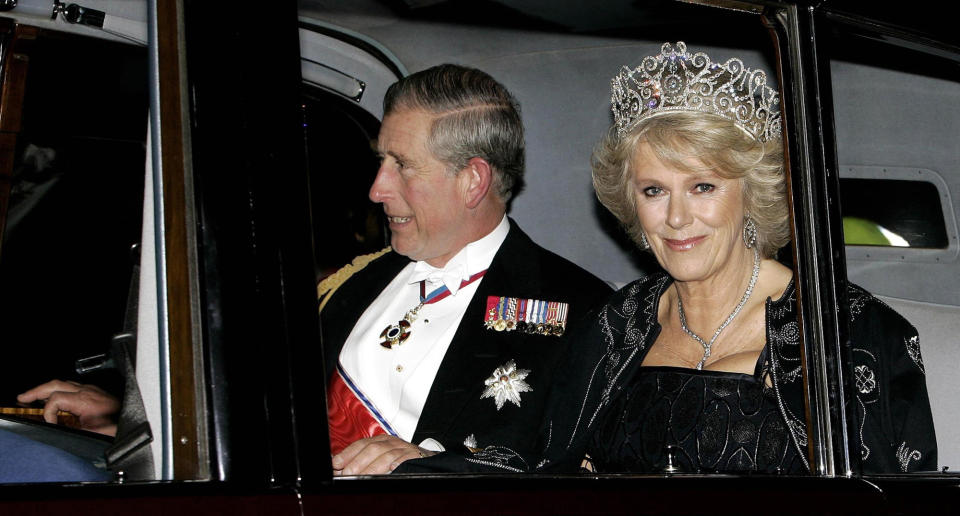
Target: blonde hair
<point>676,137</point>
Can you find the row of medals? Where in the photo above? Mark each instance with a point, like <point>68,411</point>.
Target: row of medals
<point>510,323</point>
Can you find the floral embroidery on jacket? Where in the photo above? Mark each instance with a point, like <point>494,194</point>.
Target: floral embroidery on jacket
<point>905,455</point>
<point>913,349</point>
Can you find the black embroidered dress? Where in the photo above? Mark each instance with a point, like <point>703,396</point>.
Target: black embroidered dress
<point>707,421</point>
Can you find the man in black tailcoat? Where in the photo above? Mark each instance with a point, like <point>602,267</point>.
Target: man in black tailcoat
<point>450,338</point>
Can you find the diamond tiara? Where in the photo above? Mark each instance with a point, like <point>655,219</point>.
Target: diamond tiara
<point>677,80</point>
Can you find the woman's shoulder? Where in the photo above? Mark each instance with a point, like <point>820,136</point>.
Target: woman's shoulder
<point>634,303</point>
<point>868,309</point>
<point>637,290</point>
<point>877,330</point>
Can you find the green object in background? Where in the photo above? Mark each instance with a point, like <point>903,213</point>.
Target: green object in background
<point>857,231</point>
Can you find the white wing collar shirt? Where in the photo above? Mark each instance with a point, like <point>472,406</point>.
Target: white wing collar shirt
<point>397,380</point>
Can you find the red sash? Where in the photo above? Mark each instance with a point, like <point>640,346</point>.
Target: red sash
<point>349,414</point>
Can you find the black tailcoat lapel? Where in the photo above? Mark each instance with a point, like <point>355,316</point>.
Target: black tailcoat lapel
<point>454,408</point>
<point>475,351</point>
<point>348,303</point>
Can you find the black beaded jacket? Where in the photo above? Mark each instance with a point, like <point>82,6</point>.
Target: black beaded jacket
<point>894,428</point>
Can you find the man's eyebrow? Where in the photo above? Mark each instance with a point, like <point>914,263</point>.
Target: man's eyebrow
<point>395,155</point>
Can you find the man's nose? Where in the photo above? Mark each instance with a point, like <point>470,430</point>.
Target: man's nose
<point>380,189</point>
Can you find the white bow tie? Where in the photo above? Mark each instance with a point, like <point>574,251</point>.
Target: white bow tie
<point>451,277</point>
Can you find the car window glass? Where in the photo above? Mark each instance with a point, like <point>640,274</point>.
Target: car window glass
<point>892,213</point>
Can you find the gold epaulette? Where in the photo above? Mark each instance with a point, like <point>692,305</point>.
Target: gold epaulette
<point>331,283</point>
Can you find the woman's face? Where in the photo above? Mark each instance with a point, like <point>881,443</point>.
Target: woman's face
<point>693,220</point>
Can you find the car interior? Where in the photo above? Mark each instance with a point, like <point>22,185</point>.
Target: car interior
<point>81,194</point>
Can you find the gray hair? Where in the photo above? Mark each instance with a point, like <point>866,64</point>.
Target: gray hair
<point>475,117</point>
<point>720,146</point>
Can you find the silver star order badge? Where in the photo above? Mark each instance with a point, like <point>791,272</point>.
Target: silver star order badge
<point>505,384</point>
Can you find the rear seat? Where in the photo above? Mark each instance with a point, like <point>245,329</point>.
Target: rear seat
<point>939,328</point>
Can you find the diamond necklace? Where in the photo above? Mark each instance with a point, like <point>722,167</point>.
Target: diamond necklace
<point>736,310</point>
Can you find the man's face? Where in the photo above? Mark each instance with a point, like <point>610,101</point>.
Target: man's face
<point>424,203</point>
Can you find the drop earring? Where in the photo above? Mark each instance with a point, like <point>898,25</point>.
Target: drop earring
<point>749,232</point>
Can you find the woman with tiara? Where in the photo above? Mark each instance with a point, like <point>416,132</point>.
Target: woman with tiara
<point>697,368</point>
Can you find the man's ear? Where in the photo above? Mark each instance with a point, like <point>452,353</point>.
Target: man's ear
<point>479,179</point>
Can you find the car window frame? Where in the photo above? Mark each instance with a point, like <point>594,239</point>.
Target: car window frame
<point>907,253</point>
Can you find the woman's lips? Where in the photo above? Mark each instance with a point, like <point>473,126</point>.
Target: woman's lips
<point>683,245</point>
